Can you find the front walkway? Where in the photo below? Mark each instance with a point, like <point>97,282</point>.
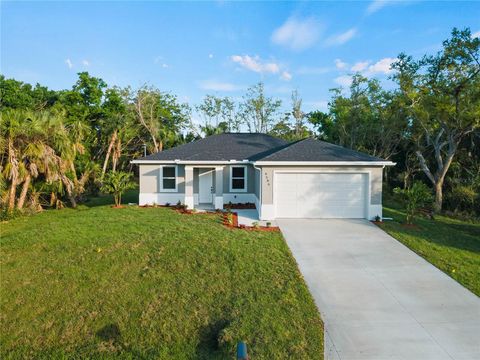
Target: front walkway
<point>248,217</point>
<point>378,299</point>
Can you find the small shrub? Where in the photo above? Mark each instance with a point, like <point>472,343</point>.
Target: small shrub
<point>416,198</point>
<point>230,218</point>
<point>268,224</point>
<point>167,204</point>
<point>117,183</point>
<point>6,214</point>
<point>255,224</point>
<point>378,218</point>
<point>463,198</point>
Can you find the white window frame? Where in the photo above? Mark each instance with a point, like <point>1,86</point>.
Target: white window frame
<point>245,184</point>
<point>162,189</point>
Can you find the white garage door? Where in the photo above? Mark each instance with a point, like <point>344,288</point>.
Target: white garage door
<point>320,195</point>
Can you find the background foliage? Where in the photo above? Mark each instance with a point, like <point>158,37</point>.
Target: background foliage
<point>57,146</point>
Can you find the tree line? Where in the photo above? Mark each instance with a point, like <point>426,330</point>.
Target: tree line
<point>56,147</point>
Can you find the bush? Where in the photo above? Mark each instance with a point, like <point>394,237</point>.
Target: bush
<point>463,199</point>
<point>117,183</point>
<point>6,214</point>
<point>416,197</point>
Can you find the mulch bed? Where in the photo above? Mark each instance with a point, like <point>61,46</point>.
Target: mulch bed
<point>234,221</point>
<point>239,206</point>
<point>233,224</point>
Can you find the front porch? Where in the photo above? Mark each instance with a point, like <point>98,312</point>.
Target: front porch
<point>204,187</point>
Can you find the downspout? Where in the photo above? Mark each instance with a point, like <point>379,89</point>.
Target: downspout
<point>259,192</point>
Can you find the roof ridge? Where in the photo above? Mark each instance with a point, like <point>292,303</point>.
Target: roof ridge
<point>283,147</point>
<point>348,149</point>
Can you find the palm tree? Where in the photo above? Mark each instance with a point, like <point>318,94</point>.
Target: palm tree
<point>14,129</point>
<point>117,183</point>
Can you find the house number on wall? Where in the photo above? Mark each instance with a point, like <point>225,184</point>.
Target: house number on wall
<point>267,179</point>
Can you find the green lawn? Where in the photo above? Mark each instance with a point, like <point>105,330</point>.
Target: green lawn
<point>138,282</point>
<point>451,245</point>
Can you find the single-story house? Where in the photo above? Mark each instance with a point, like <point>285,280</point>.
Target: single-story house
<point>302,179</point>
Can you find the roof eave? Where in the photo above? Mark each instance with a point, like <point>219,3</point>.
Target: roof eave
<point>189,162</point>
<point>324,163</point>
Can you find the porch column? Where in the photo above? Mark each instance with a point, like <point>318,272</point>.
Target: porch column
<point>189,186</point>
<point>218,202</point>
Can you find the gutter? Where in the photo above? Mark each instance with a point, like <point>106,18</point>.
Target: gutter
<point>325,163</point>
<point>268,163</point>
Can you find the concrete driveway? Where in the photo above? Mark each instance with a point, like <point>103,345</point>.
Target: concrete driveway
<point>378,299</point>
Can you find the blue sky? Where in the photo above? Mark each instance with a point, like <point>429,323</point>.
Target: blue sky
<point>193,49</point>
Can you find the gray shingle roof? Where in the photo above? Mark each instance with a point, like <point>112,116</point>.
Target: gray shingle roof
<point>258,147</point>
<point>221,147</point>
<point>316,150</point>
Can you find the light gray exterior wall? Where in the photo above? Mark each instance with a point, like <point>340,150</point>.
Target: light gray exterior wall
<point>250,180</point>
<point>375,183</point>
<point>150,178</point>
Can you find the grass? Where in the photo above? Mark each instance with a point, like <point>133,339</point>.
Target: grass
<point>451,245</point>
<point>98,282</point>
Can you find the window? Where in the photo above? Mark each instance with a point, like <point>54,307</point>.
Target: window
<point>238,178</point>
<point>168,178</point>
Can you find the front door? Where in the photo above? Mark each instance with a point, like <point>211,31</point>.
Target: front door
<point>205,186</point>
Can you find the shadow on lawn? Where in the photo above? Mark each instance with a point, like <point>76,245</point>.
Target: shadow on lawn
<point>210,339</point>
<point>458,236</point>
<point>111,334</point>
<point>130,196</point>
<point>472,230</point>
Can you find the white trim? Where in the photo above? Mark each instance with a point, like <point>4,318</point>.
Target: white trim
<point>189,202</point>
<point>187,162</point>
<point>218,202</point>
<point>162,189</point>
<point>245,177</point>
<point>267,212</point>
<point>326,163</point>
<point>160,198</point>
<point>368,172</point>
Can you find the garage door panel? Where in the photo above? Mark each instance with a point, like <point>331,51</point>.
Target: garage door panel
<point>320,195</point>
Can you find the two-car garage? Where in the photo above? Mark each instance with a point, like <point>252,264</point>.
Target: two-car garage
<point>321,194</point>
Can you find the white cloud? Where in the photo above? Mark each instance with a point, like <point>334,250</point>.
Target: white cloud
<point>85,63</point>
<point>476,35</point>
<point>164,65</point>
<point>377,5</point>
<point>340,65</point>
<point>342,38</point>
<point>360,66</point>
<point>69,63</point>
<point>366,68</point>
<point>255,64</point>
<point>210,56</point>
<point>343,80</point>
<point>382,66</point>
<point>297,34</point>
<point>218,86</point>
<point>286,76</point>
